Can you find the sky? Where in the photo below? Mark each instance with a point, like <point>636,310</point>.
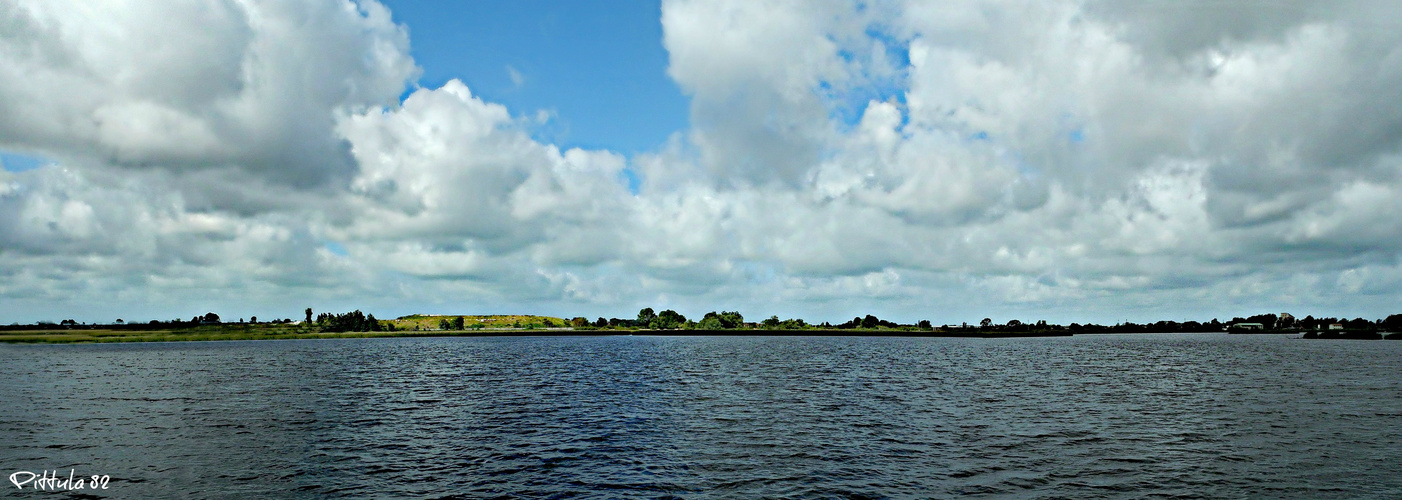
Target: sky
<point>1066,161</point>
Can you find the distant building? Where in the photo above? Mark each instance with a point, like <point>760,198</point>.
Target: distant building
<point>1336,326</point>
<point>1249,326</point>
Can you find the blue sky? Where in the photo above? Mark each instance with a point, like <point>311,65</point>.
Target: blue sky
<point>16,162</point>
<point>1058,160</point>
<point>598,66</point>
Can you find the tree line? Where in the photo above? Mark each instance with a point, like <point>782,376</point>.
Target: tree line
<point>354,321</point>
<point>732,320</point>
<point>648,318</point>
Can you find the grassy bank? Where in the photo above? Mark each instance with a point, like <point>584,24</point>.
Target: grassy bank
<point>205,333</point>
<point>424,322</point>
<point>408,326</point>
<point>281,332</point>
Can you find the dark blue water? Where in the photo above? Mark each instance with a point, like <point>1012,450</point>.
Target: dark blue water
<point>1192,416</point>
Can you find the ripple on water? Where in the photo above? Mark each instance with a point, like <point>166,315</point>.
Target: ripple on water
<point>1184,416</point>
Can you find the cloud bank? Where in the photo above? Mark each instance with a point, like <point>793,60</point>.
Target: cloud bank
<point>944,161</point>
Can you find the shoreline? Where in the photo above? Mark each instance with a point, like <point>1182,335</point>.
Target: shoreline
<point>104,336</point>
<point>243,332</point>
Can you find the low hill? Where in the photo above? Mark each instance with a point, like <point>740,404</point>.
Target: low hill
<point>431,322</point>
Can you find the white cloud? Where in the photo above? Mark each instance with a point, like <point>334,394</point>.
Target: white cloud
<point>253,85</point>
<point>517,79</point>
<point>948,161</point>
<point>449,169</point>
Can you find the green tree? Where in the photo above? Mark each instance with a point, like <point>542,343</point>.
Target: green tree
<point>987,322</point>
<point>1392,323</point>
<point>710,322</point>
<point>645,316</point>
<point>732,319</point>
<point>870,321</point>
<point>1267,321</point>
<point>458,323</point>
<point>772,322</point>
<point>722,320</point>
<point>309,315</point>
<point>668,320</point>
<point>793,324</point>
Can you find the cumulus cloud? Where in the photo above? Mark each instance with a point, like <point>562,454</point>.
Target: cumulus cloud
<point>1063,148</point>
<point>462,178</point>
<point>255,86</point>
<point>88,242</point>
<point>948,160</point>
<point>753,70</point>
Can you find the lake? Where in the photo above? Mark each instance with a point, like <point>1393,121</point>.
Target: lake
<point>1110,416</point>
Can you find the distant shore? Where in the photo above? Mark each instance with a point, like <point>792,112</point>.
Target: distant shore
<point>240,332</point>
<point>356,325</point>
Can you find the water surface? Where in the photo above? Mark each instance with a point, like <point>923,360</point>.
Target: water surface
<point>1114,416</point>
